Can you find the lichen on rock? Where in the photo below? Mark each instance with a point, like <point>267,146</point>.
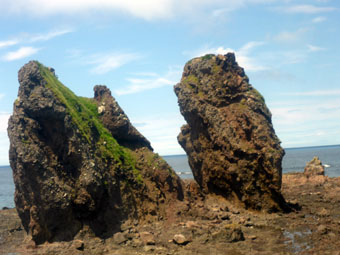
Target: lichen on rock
<point>74,167</point>
<point>229,137</point>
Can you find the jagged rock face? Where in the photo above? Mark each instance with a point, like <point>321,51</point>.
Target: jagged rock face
<point>229,138</point>
<point>116,121</point>
<point>70,173</point>
<point>314,168</point>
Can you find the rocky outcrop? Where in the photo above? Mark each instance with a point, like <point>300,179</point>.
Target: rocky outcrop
<point>116,121</point>
<point>229,138</point>
<point>78,163</point>
<point>314,168</point>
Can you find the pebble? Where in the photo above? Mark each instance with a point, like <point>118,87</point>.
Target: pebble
<point>147,238</point>
<point>180,239</point>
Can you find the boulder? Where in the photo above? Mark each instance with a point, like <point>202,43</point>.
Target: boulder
<point>229,137</point>
<point>314,168</point>
<point>79,163</point>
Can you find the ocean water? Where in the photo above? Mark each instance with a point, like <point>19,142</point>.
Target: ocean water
<point>294,161</point>
<point>6,187</point>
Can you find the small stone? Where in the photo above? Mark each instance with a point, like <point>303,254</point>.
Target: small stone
<point>322,229</point>
<point>147,238</point>
<point>191,224</point>
<point>224,216</point>
<point>180,239</point>
<point>148,248</point>
<point>119,238</point>
<point>253,237</point>
<point>324,212</point>
<point>78,244</point>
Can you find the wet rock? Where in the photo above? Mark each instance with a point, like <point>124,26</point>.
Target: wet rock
<point>229,137</point>
<point>229,234</point>
<point>181,239</point>
<point>314,168</point>
<point>73,167</point>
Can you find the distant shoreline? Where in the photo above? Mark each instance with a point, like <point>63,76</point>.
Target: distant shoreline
<point>290,148</point>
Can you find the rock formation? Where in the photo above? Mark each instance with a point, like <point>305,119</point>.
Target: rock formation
<point>229,138</point>
<point>78,163</point>
<point>314,168</point>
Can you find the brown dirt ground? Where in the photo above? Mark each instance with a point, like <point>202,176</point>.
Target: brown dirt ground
<point>211,226</point>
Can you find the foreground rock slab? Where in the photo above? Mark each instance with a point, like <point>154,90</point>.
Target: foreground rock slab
<point>79,164</point>
<point>229,137</point>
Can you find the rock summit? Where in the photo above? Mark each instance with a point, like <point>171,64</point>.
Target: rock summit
<point>229,137</point>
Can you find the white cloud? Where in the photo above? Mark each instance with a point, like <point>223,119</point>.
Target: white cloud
<point>146,9</point>
<point>242,55</point>
<point>319,19</point>
<point>7,43</point>
<point>291,36</point>
<point>22,52</point>
<point>335,92</point>
<point>4,141</point>
<point>162,132</point>
<point>305,123</point>
<point>314,48</point>
<point>30,38</point>
<point>141,84</point>
<point>107,62</point>
<point>3,122</point>
<point>307,9</point>
<point>48,36</point>
<point>1,95</point>
<point>4,148</point>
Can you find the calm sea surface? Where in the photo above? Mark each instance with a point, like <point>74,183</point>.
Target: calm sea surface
<point>294,161</point>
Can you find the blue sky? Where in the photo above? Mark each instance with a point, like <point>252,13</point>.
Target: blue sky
<point>289,49</point>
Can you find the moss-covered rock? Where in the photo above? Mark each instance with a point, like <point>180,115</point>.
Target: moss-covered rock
<point>77,165</point>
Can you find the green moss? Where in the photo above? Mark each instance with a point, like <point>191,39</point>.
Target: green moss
<point>216,69</point>
<point>85,116</point>
<point>25,141</point>
<point>257,94</point>
<point>190,81</point>
<point>208,56</point>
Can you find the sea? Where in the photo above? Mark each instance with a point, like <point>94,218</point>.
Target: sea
<point>294,161</point>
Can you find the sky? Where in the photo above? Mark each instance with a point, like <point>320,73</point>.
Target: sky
<point>288,48</point>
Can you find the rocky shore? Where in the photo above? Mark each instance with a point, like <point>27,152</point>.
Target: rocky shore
<point>88,182</point>
<point>312,228</point>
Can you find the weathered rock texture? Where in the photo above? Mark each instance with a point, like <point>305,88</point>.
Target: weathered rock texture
<point>78,163</point>
<point>314,168</point>
<point>230,141</point>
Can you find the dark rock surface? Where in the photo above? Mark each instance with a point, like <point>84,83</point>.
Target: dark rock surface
<point>70,172</point>
<point>314,168</point>
<point>116,121</point>
<point>229,138</point>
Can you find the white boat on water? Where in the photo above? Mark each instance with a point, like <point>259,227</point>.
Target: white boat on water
<point>325,165</point>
